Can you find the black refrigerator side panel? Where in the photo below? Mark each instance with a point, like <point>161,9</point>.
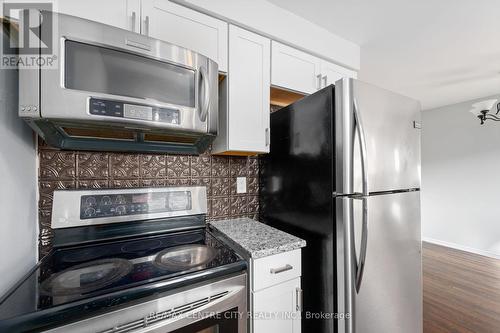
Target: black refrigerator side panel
<point>296,196</point>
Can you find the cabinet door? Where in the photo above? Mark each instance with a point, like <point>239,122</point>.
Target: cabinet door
<point>275,309</point>
<point>331,73</point>
<point>248,91</point>
<point>295,70</point>
<point>123,14</point>
<point>181,26</point>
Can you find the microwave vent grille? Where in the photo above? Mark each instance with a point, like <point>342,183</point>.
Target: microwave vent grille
<point>97,133</point>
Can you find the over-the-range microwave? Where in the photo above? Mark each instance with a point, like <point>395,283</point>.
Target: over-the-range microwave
<point>116,90</point>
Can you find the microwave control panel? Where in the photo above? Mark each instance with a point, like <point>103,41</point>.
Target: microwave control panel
<point>108,108</point>
<point>109,205</point>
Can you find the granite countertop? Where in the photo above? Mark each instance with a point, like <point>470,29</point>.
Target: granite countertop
<point>255,238</point>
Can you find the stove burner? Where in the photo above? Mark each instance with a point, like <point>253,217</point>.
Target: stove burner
<point>141,246</point>
<point>83,255</point>
<point>184,257</point>
<point>86,277</point>
<point>187,238</point>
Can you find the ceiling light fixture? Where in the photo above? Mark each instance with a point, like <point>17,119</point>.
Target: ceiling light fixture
<point>483,110</point>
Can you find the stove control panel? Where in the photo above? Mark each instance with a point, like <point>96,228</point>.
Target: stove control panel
<point>86,207</point>
<point>110,205</point>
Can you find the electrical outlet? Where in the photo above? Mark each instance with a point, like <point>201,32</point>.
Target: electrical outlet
<point>241,185</point>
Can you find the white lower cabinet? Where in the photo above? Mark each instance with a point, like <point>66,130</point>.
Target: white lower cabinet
<point>276,309</point>
<point>276,294</point>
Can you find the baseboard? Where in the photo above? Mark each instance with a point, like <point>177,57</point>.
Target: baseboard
<point>462,248</point>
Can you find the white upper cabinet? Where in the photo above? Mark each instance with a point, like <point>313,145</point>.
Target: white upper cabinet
<point>249,84</point>
<point>181,26</point>
<point>244,118</point>
<point>302,72</point>
<point>295,70</point>
<point>282,25</point>
<point>125,14</point>
<point>160,19</point>
<point>331,72</point>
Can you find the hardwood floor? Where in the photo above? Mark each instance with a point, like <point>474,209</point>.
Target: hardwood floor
<point>461,291</point>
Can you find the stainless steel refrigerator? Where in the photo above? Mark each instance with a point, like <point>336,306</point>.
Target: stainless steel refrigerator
<point>344,174</point>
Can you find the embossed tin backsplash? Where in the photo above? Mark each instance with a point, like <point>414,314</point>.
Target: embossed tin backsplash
<point>77,169</point>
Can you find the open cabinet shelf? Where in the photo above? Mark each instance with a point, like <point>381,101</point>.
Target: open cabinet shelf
<point>283,97</point>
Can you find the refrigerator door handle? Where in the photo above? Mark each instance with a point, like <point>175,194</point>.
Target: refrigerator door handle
<point>360,263</point>
<point>362,147</point>
<point>360,266</point>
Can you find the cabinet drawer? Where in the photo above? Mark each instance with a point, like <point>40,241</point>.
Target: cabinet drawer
<point>272,270</point>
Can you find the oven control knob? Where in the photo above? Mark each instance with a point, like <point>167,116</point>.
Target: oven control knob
<point>91,201</point>
<point>106,200</point>
<point>120,200</point>
<point>89,212</point>
<point>121,210</point>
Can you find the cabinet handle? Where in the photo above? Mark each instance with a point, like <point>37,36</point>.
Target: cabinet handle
<point>325,80</point>
<point>318,83</point>
<point>298,299</point>
<point>281,269</point>
<point>133,21</point>
<point>146,25</point>
<point>267,137</point>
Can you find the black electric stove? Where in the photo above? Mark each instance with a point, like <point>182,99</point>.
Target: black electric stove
<point>81,280</point>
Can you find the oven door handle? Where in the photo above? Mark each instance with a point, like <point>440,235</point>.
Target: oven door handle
<point>205,105</point>
<point>234,299</point>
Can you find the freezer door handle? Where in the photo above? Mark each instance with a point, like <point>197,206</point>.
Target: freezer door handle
<point>362,147</point>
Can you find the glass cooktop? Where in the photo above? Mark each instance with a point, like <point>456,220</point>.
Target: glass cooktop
<point>90,277</point>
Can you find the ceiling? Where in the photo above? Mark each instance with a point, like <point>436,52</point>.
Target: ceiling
<point>439,52</point>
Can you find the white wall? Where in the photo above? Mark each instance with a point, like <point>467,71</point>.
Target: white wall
<point>18,188</point>
<point>461,179</point>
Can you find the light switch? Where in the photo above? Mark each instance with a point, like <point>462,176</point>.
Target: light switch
<point>241,185</point>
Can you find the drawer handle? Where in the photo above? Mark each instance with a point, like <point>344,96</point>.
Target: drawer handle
<point>281,269</point>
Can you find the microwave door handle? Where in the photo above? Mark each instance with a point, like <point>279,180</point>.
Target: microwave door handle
<point>205,105</point>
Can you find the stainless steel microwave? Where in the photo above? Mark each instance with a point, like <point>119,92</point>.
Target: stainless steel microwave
<point>112,89</point>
